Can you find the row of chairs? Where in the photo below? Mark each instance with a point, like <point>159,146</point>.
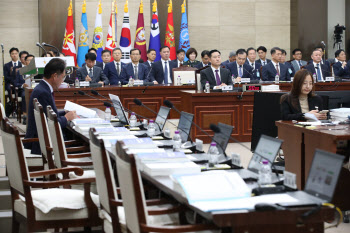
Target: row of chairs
<point>14,103</point>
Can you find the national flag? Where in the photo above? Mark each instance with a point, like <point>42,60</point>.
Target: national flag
<point>169,32</point>
<point>140,38</point>
<point>83,46</point>
<point>184,42</point>
<point>111,40</point>
<point>68,47</point>
<point>97,42</point>
<point>154,39</point>
<point>125,37</point>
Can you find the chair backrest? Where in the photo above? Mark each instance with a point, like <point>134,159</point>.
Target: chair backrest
<point>15,161</point>
<point>42,129</point>
<point>55,131</point>
<point>131,189</point>
<point>2,111</point>
<point>105,182</point>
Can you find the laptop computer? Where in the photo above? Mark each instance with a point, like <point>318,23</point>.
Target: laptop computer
<point>223,137</point>
<point>321,182</point>
<point>185,125</point>
<point>119,109</point>
<point>162,116</point>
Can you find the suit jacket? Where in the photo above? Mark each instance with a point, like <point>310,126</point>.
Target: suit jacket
<point>323,61</point>
<point>10,76</point>
<point>192,64</point>
<point>157,72</point>
<point>255,71</point>
<point>43,93</point>
<point>246,69</point>
<point>324,69</point>
<point>111,72</point>
<point>200,65</point>
<point>290,68</point>
<point>176,62</point>
<point>225,63</point>
<point>341,72</point>
<point>146,63</point>
<point>269,72</point>
<point>98,63</point>
<point>290,112</point>
<point>267,60</point>
<point>129,71</point>
<point>296,66</point>
<point>208,75</point>
<point>97,72</point>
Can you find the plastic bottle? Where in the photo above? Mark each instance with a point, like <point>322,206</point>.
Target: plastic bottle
<point>213,154</point>
<point>108,114</point>
<point>132,120</point>
<point>257,74</point>
<point>119,84</point>
<point>233,79</point>
<point>314,77</point>
<point>131,81</point>
<point>277,78</point>
<point>265,175</point>
<point>151,128</point>
<point>207,87</point>
<point>77,83</point>
<point>179,80</point>
<point>177,141</point>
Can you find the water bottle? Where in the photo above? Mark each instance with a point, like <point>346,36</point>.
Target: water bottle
<point>213,154</point>
<point>233,79</point>
<point>277,78</point>
<point>145,123</point>
<point>132,120</point>
<point>119,84</point>
<point>314,77</point>
<point>207,87</point>
<point>179,80</point>
<point>257,74</point>
<point>176,141</point>
<point>77,83</point>
<point>131,81</point>
<point>108,114</point>
<point>265,175</point>
<point>151,128</point>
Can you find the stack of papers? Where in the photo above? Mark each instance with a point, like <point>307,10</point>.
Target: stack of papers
<point>171,168</point>
<point>145,143</point>
<point>80,110</point>
<point>84,128</point>
<point>340,114</point>
<point>160,157</point>
<point>110,140</point>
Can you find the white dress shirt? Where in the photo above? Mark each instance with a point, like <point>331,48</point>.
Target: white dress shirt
<point>262,62</point>
<point>213,69</point>
<point>168,67</point>
<point>88,70</point>
<point>279,67</point>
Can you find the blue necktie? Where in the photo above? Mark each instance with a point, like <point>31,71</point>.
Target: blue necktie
<point>319,77</point>
<point>240,71</point>
<point>165,73</point>
<point>300,64</point>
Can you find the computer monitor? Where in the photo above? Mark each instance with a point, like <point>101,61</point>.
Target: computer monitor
<point>223,137</point>
<point>324,174</point>
<point>162,116</point>
<point>185,124</point>
<point>119,109</point>
<point>268,148</point>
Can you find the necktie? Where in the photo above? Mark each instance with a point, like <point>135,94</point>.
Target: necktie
<point>252,64</point>
<point>136,73</point>
<point>240,71</point>
<point>278,71</point>
<point>264,63</point>
<point>300,64</point>
<point>165,73</point>
<point>118,70</point>
<point>218,81</point>
<point>319,77</point>
<point>90,73</point>
<point>15,64</point>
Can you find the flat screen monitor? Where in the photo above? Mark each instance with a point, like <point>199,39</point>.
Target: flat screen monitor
<point>185,124</point>
<point>119,109</point>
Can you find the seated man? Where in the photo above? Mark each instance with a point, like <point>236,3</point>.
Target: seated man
<point>262,56</point>
<point>91,73</point>
<point>297,63</point>
<point>231,58</point>
<point>316,67</point>
<point>106,57</point>
<point>97,63</point>
<point>340,68</point>
<point>239,69</point>
<point>135,69</point>
<point>54,74</point>
<point>215,75</point>
<point>113,69</point>
<point>180,57</point>
<point>205,60</point>
<point>274,67</point>
<point>151,56</point>
<point>289,65</point>
<point>255,66</point>
<point>162,71</point>
<point>323,62</point>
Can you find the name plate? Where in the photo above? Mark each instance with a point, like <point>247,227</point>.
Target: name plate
<point>329,79</point>
<point>85,84</point>
<point>227,88</point>
<point>245,80</point>
<point>255,87</point>
<point>290,180</point>
<point>138,82</point>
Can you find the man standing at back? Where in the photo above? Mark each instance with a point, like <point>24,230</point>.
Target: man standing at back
<point>11,68</point>
<point>162,71</point>
<point>113,69</point>
<point>274,68</point>
<point>54,75</point>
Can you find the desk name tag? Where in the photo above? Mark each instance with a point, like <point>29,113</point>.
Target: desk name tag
<point>290,180</point>
<point>84,84</point>
<point>252,87</point>
<point>329,79</point>
<point>236,159</point>
<point>227,88</point>
<point>245,80</point>
<point>138,82</point>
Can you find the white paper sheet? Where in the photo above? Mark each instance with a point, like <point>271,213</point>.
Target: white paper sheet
<point>81,111</point>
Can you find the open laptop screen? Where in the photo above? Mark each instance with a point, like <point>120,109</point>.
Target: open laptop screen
<point>184,126</point>
<point>223,137</point>
<point>268,148</point>
<point>162,116</point>
<point>323,175</point>
<point>119,109</point>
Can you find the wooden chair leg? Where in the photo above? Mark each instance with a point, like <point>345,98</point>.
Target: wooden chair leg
<point>15,224</point>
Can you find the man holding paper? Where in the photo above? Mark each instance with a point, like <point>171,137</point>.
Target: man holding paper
<point>54,75</point>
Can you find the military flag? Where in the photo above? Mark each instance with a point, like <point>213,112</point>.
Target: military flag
<point>169,32</point>
<point>140,38</point>
<point>68,47</point>
<point>83,46</point>
<point>97,42</point>
<point>154,39</point>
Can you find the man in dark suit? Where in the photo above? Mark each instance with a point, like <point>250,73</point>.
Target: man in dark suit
<point>151,55</point>
<point>22,57</point>
<point>180,57</point>
<point>323,62</point>
<point>316,67</point>
<point>239,69</point>
<point>262,56</point>
<point>91,73</point>
<point>162,71</point>
<point>54,75</point>
<point>205,60</point>
<point>274,68</point>
<point>215,75</point>
<point>11,68</point>
<point>231,58</point>
<point>106,58</point>
<point>341,68</point>
<point>97,63</point>
<point>113,69</point>
<point>254,66</point>
<point>283,61</point>
<point>135,69</point>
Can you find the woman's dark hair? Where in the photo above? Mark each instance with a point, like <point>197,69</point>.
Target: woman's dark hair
<point>191,50</point>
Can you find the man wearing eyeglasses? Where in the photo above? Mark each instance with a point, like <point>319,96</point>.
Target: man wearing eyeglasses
<point>297,62</point>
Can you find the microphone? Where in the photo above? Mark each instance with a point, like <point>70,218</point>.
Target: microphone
<point>2,47</point>
<point>324,44</point>
<point>48,45</point>
<point>149,72</point>
<point>104,102</point>
<point>39,45</point>
<point>94,92</point>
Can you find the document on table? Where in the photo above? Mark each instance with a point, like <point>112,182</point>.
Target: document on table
<point>81,111</point>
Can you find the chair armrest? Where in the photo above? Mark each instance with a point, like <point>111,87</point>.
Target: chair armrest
<point>81,155</point>
<point>116,202</point>
<point>170,210</point>
<point>162,201</point>
<point>118,191</point>
<point>71,163</point>
<point>75,149</point>
<point>56,183</point>
<point>22,135</point>
<point>71,142</point>
<point>181,228</point>
<point>25,140</point>
<point>77,170</point>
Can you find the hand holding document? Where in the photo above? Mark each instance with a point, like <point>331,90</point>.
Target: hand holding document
<point>80,110</point>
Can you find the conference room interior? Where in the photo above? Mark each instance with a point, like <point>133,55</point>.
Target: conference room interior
<point>220,31</point>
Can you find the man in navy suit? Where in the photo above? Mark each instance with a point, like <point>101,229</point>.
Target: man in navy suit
<point>162,71</point>
<point>262,56</point>
<point>239,69</point>
<point>323,62</point>
<point>11,68</point>
<point>113,69</point>
<point>254,66</point>
<point>340,68</point>
<point>316,67</point>
<point>106,58</point>
<point>180,57</point>
<point>135,69</point>
<point>91,73</point>
<point>215,75</point>
<point>274,68</point>
<point>54,75</point>
<point>289,65</point>
<point>205,60</point>
<point>151,56</point>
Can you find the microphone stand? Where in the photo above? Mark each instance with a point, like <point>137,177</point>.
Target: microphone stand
<point>3,73</point>
<point>39,45</point>
<point>48,45</point>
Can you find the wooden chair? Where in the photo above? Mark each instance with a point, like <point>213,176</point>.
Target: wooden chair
<point>28,205</point>
<point>138,218</point>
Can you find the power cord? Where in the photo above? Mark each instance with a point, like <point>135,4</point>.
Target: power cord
<point>338,217</point>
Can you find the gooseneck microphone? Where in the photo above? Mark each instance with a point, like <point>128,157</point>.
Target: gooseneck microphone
<point>51,46</point>
<point>144,90</point>
<point>39,45</point>
<point>104,102</point>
